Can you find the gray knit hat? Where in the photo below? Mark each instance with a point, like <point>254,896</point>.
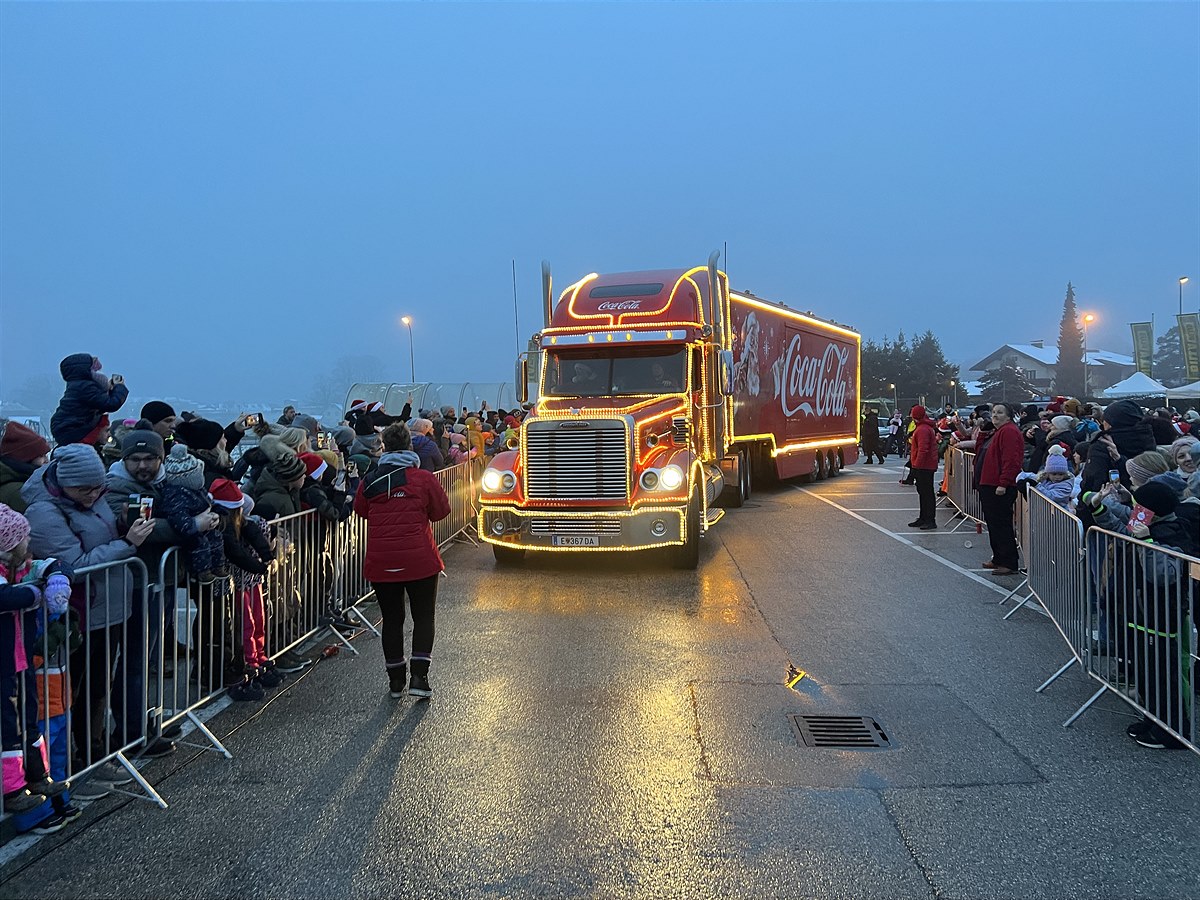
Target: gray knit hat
<point>287,467</point>
<point>184,470</point>
<point>78,465</point>
<point>308,423</point>
<point>141,441</point>
<point>1146,465</point>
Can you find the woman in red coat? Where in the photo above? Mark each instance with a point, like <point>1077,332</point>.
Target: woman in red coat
<point>399,501</point>
<point>996,480</point>
<point>923,457</point>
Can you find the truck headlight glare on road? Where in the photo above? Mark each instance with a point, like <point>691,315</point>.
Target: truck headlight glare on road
<point>671,478</point>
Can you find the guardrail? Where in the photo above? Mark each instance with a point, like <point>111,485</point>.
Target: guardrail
<point>960,489</point>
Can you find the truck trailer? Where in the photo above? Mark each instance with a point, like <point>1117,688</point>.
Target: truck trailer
<point>663,396</point>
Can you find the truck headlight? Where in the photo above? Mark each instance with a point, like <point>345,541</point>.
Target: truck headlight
<point>497,482</point>
<point>649,480</point>
<point>671,478</point>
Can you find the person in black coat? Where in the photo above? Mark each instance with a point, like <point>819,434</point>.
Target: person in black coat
<point>89,396</point>
<point>1164,431</point>
<point>870,436</point>
<point>1123,435</point>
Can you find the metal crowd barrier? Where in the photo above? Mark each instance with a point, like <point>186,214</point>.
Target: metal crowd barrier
<point>1144,599</point>
<point>961,491</point>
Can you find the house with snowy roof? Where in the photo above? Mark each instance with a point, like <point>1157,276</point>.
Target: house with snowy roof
<point>1037,362</point>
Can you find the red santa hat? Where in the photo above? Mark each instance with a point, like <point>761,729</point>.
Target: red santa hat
<point>356,405</point>
<point>227,494</point>
<point>314,466</point>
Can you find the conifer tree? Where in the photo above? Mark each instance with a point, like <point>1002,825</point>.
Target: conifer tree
<point>1068,373</point>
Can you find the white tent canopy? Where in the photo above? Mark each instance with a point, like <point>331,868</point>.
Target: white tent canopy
<point>1136,385</point>
<point>1184,392</point>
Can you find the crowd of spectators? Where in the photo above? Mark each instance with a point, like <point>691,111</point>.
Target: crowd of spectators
<point>117,489</point>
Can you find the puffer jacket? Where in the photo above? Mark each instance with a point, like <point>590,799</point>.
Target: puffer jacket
<point>399,501</point>
<point>431,457</point>
<point>923,450</point>
<point>13,474</point>
<point>273,500</point>
<point>84,401</point>
<point>78,537</point>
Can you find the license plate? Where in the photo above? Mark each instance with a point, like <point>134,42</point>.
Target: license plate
<point>576,540</point>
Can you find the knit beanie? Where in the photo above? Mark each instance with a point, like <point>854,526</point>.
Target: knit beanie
<point>332,457</point>
<point>78,465</point>
<point>1123,414</point>
<point>21,443</point>
<point>155,411</point>
<point>1073,408</point>
<point>293,437</point>
<point>343,436</point>
<point>141,441</point>
<point>1062,423</point>
<point>361,422</point>
<point>200,434</point>
<point>226,494</point>
<point>1156,497</point>
<point>14,528</point>
<point>1056,460</point>
<point>1146,465</point>
<point>184,470</point>
<point>1188,441</point>
<point>287,467</point>
<point>917,413</point>
<point>308,424</point>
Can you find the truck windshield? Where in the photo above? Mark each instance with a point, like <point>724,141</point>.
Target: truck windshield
<point>589,373</point>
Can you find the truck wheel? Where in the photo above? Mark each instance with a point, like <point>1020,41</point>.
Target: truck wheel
<point>834,466</point>
<point>747,473</point>
<point>507,556</point>
<point>687,556</point>
<point>734,494</point>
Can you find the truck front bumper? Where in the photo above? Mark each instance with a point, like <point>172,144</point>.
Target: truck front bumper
<point>543,529</point>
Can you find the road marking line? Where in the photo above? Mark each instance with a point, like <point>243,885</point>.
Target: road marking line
<point>903,539</point>
<point>889,509</point>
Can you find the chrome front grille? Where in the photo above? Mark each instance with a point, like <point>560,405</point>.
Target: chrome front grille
<point>574,526</point>
<point>576,459</point>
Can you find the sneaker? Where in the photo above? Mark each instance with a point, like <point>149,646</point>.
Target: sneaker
<point>113,774</point>
<point>291,662</point>
<point>49,786</point>
<point>270,677</point>
<point>90,790</point>
<point>1156,739</point>
<point>51,824</point>
<point>70,812</point>
<point>418,686</point>
<point>157,748</point>
<point>1137,728</point>
<point>172,731</point>
<point>22,801</point>
<point>246,690</point>
<point>396,681</point>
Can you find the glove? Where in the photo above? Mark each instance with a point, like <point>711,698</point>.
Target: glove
<point>1092,499</point>
<point>57,594</point>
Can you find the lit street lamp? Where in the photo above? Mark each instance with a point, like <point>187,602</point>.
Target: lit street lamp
<point>1182,281</point>
<point>1087,320</point>
<point>895,402</point>
<point>954,384</point>
<point>412,365</point>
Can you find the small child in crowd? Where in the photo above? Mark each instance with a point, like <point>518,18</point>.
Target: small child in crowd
<point>186,505</point>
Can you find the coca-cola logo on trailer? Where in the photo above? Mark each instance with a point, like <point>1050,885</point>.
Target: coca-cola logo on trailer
<point>619,305</point>
<point>815,385</point>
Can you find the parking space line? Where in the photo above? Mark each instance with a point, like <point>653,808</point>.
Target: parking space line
<point>903,539</point>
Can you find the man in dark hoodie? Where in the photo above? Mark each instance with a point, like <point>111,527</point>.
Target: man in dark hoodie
<point>1123,435</point>
<point>88,398</point>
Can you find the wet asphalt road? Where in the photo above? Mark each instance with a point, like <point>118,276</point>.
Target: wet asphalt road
<point>606,727</point>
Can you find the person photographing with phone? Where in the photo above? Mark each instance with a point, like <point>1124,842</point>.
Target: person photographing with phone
<point>88,398</point>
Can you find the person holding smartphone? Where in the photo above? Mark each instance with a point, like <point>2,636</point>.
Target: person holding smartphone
<point>88,398</point>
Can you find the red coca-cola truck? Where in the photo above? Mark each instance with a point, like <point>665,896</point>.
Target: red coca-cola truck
<point>663,396</point>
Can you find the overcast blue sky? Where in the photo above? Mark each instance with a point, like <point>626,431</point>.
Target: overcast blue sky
<point>222,199</point>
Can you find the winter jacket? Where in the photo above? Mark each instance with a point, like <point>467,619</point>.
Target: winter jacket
<point>84,401</point>
<point>250,551</point>
<point>923,449</point>
<point>870,432</point>
<point>180,505</point>
<point>13,474</point>
<point>399,502</point>
<point>1066,439</point>
<point>1002,457</point>
<point>1059,492</point>
<point>330,504</point>
<point>273,500</point>
<point>120,486</point>
<point>1128,429</point>
<point>215,465</point>
<point>78,537</point>
<point>1162,429</point>
<point>431,457</point>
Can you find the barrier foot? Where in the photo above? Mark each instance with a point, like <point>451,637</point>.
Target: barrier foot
<point>1020,587</point>
<point>1079,712</point>
<point>345,641</point>
<point>212,738</point>
<point>365,621</point>
<point>1012,612</point>
<point>1053,678</point>
<point>149,794</point>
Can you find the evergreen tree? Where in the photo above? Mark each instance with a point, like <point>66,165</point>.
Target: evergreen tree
<point>1169,367</point>
<point>1006,384</point>
<point>1068,373</point>
<point>876,371</point>
<point>928,373</point>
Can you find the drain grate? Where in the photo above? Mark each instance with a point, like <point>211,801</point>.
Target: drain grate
<point>840,732</point>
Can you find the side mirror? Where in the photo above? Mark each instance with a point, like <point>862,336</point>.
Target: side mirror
<point>726,363</point>
<point>522,379</point>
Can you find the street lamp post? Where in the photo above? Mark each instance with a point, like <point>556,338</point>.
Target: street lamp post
<point>895,402</point>
<point>412,364</point>
<point>1087,320</point>
<point>1182,281</point>
<point>954,384</point>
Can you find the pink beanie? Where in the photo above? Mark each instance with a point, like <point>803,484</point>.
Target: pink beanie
<point>14,528</point>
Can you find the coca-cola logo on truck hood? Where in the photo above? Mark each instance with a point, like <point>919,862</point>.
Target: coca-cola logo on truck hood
<point>619,305</point>
<point>813,384</point>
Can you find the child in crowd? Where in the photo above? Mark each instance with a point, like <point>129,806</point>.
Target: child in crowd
<point>25,585</point>
<point>1056,481</point>
<point>186,505</point>
<point>249,549</point>
<point>82,414</point>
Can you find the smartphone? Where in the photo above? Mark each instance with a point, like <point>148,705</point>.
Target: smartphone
<point>352,469</point>
<point>254,419</point>
<point>322,440</point>
<point>1114,475</point>
<point>146,507</point>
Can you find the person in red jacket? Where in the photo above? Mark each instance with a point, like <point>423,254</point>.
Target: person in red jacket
<point>923,456</point>
<point>399,501</point>
<point>996,474</point>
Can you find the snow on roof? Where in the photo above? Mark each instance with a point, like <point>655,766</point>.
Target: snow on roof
<point>1048,356</point>
<point>1100,357</point>
<point>1045,355</point>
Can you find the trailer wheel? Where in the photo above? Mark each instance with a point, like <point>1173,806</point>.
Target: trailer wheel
<point>508,556</point>
<point>834,465</point>
<point>747,475</point>
<point>687,556</point>
<point>819,470</point>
